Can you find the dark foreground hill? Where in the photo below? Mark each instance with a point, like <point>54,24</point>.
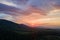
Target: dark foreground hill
<point>12,31</point>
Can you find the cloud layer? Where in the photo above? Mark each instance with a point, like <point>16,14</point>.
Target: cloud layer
<point>30,12</point>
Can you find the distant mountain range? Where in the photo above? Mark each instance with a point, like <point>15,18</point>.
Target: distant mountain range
<point>8,25</point>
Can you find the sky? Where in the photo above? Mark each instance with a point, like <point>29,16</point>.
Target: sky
<point>31,12</point>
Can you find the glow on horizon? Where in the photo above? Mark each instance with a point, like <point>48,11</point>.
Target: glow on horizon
<point>51,19</point>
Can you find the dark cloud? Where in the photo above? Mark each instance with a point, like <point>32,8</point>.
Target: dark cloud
<point>9,9</point>
<point>57,4</point>
<point>4,7</point>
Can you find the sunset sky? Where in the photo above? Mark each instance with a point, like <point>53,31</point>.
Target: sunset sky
<point>31,12</point>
